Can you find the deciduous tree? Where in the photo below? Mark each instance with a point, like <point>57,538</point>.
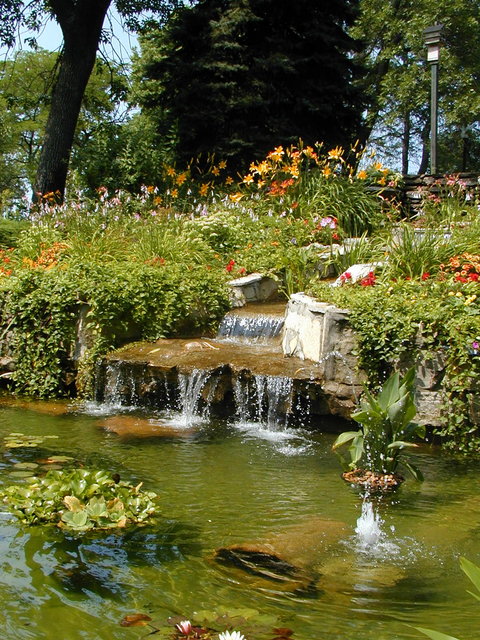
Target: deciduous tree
<point>81,22</point>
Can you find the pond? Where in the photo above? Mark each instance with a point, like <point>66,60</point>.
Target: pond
<point>222,484</point>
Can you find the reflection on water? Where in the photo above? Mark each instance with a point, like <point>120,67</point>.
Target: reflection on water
<point>258,494</point>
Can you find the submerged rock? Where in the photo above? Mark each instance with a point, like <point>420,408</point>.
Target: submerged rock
<point>138,427</point>
<point>290,558</point>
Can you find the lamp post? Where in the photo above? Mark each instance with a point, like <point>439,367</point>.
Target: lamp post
<point>432,37</point>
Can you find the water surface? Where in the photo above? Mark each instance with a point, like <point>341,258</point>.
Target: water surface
<point>223,484</point>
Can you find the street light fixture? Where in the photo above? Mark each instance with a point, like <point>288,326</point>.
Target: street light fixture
<point>433,40</point>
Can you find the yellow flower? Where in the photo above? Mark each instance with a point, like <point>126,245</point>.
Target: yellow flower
<point>229,180</point>
<point>170,171</point>
<point>216,171</point>
<point>204,189</point>
<point>235,197</point>
<point>174,193</point>
<point>335,154</point>
<point>276,154</point>
<point>248,179</point>
<point>150,189</point>
<point>326,171</point>
<point>377,166</point>
<point>157,200</point>
<point>222,164</point>
<point>181,178</point>
<point>362,175</point>
<point>293,169</point>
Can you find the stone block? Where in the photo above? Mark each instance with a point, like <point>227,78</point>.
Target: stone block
<point>252,288</point>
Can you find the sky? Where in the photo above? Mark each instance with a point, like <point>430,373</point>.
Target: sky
<point>118,49</point>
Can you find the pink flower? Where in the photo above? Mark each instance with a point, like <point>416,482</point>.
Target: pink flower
<point>185,627</point>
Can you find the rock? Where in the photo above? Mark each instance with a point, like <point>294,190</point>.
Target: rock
<point>136,427</point>
<point>357,272</point>
<point>252,288</point>
<point>287,558</point>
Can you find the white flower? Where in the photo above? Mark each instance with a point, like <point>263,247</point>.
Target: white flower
<point>231,635</point>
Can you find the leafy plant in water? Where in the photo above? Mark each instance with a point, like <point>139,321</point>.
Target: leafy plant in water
<point>472,571</point>
<point>386,428</point>
<point>80,500</point>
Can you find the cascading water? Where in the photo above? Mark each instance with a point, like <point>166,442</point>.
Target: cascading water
<point>118,386</point>
<point>253,329</point>
<point>265,400</point>
<point>274,398</point>
<point>190,389</point>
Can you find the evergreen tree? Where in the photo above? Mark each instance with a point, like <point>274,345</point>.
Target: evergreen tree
<point>238,77</point>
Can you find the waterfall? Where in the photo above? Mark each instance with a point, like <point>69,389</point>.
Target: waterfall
<point>119,388</point>
<point>190,396</point>
<point>254,329</point>
<point>266,400</point>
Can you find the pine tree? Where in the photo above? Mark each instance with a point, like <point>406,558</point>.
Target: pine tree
<point>238,77</point>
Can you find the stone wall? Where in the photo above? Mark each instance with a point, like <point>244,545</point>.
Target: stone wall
<point>321,332</point>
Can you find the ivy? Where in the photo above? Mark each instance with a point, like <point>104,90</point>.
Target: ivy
<point>40,311</point>
<point>399,323</point>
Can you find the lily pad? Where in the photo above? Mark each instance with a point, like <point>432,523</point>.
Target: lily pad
<point>16,440</point>
<point>21,474</point>
<point>25,466</point>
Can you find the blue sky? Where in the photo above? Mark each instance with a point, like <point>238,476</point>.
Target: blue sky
<point>50,38</point>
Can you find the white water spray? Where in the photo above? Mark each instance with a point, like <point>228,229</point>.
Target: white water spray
<point>368,529</point>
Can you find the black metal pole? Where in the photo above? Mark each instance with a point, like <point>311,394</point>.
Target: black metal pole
<point>434,119</point>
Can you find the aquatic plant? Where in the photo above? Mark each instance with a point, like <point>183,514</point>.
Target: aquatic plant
<point>80,500</point>
<point>386,429</point>
<point>472,571</point>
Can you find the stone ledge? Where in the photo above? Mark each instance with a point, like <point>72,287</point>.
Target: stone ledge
<point>252,288</point>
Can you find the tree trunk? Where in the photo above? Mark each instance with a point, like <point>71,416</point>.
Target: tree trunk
<point>81,25</point>
<point>405,142</point>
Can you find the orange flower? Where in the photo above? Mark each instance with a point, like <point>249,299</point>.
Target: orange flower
<point>235,197</point>
<point>204,189</point>
<point>326,171</point>
<point>335,154</point>
<point>362,175</point>
<point>181,178</point>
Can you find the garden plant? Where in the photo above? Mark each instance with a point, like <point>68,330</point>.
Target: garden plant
<point>157,264</point>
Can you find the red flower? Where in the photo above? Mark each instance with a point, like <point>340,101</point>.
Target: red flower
<point>230,265</point>
<point>425,276</point>
<point>369,280</point>
<point>473,277</point>
<point>242,270</point>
